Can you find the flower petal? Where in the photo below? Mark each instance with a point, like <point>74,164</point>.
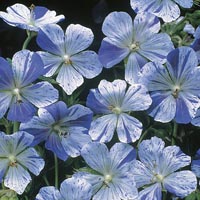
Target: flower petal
<point>181,183</point>
<point>17,178</point>
<point>185,3</point>
<point>97,156</point>
<point>118,27</point>
<point>195,166</point>
<point>4,163</point>
<point>48,193</point>
<point>75,188</point>
<point>27,67</point>
<point>87,64</point>
<point>110,54</point>
<point>31,160</point>
<point>129,128</point>
<point>102,128</point>
<point>196,120</point>
<point>51,38</point>
<point>69,79</point>
<point>5,100</point>
<point>41,94</point>
<point>77,38</point>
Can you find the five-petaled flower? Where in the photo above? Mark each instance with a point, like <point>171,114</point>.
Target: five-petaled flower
<point>17,91</point>
<point>16,157</point>
<point>31,19</point>
<point>135,41</point>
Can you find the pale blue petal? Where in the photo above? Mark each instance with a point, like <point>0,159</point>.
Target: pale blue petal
<point>54,144</point>
<point>31,160</point>
<point>113,92</point>
<point>129,129</point>
<point>17,178</point>
<point>150,151</point>
<point>185,3</point>
<point>41,94</point>
<point>48,193</point>
<point>97,103</point>
<point>196,120</point>
<point>51,62</point>
<point>4,163</point>
<point>102,129</point>
<point>153,192</point>
<point>195,166</point>
<point>142,174</point>
<point>182,60</point>
<point>110,54</point>
<point>4,145</point>
<point>118,27</point>
<point>145,22</point>
<point>69,79</point>
<point>156,47</point>
<point>5,100</point>
<point>133,67</point>
<point>163,108</point>
<point>173,159</point>
<point>87,64</point>
<point>6,75</point>
<point>74,141</point>
<point>121,153</point>
<point>75,189</point>
<point>51,38</point>
<point>133,96</point>
<point>181,183</point>
<point>27,67</point>
<point>77,38</point>
<point>97,156</point>
<point>21,111</point>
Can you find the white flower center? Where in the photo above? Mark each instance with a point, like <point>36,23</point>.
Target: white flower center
<point>175,91</point>
<point>61,131</point>
<point>107,178</point>
<point>66,59</point>
<point>134,46</point>
<point>13,161</point>
<point>159,178</point>
<point>117,110</point>
<point>16,92</point>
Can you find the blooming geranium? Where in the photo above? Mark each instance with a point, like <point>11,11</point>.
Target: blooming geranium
<point>63,129</point>
<point>32,18</point>
<point>109,174</point>
<point>17,93</point>
<point>70,189</point>
<point>115,102</point>
<point>174,88</point>
<point>168,10</point>
<point>137,41</point>
<point>16,157</point>
<point>157,169</point>
<point>65,56</point>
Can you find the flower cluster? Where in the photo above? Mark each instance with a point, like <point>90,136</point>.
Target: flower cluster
<point>128,137</point>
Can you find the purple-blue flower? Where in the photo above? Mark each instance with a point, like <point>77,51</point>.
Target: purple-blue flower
<point>109,175</point>
<point>16,159</point>
<point>168,10</point>
<point>32,18</point>
<point>135,41</point>
<point>64,130</point>
<point>18,94</point>
<point>66,56</point>
<point>114,101</point>
<point>70,189</point>
<point>157,170</point>
<point>174,88</point>
<point>195,166</point>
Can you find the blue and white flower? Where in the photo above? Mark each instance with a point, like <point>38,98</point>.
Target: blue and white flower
<point>16,158</point>
<point>114,101</point>
<point>18,94</point>
<point>174,88</point>
<point>66,56</point>
<point>168,10</point>
<point>135,41</point>
<point>32,18</point>
<point>157,170</point>
<point>64,130</point>
<point>109,174</point>
<point>70,189</point>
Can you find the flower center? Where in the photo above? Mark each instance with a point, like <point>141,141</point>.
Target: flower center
<point>159,178</point>
<point>175,91</point>
<point>61,131</point>
<point>16,92</point>
<point>117,110</point>
<point>107,178</point>
<point>66,59</point>
<point>134,46</point>
<point>13,161</point>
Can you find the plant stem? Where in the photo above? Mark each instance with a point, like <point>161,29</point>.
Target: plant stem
<point>30,34</point>
<point>15,126</point>
<point>143,135</point>
<point>56,170</point>
<point>174,133</point>
<point>46,180</point>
